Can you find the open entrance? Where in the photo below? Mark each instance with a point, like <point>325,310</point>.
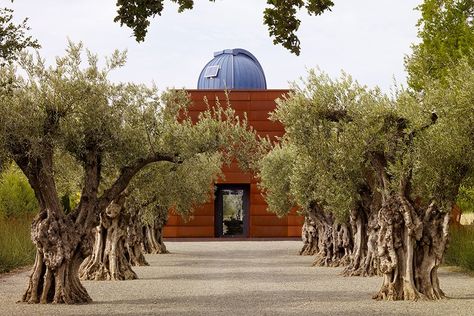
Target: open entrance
<point>232,210</point>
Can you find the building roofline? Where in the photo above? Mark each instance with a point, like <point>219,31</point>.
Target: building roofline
<point>236,90</point>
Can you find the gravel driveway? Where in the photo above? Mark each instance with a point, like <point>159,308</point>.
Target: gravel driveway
<point>240,278</point>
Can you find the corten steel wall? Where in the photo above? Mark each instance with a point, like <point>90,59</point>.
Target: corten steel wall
<point>257,105</point>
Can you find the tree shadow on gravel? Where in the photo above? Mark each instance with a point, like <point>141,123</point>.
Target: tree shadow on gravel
<point>222,262</point>
<point>260,277</point>
<point>273,299</point>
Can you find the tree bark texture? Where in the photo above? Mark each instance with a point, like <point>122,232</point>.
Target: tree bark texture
<point>153,235</point>
<point>411,244</point>
<point>309,235</point>
<point>334,241</point>
<point>61,241</point>
<point>54,278</point>
<point>108,260</point>
<point>134,243</point>
<point>364,229</point>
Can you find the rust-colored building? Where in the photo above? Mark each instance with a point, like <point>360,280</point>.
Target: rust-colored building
<point>238,208</point>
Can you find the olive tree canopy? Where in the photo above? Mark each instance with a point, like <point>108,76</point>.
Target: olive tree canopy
<point>392,165</point>
<point>111,131</point>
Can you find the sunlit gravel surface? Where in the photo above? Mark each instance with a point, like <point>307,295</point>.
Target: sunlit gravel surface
<point>240,278</point>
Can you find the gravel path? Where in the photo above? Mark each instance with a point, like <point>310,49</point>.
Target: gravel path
<point>240,278</point>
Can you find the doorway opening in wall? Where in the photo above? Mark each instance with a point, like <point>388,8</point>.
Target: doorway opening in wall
<point>232,210</point>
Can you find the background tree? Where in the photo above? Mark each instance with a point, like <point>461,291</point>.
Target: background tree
<point>279,16</point>
<point>446,31</point>
<point>112,131</point>
<point>13,37</point>
<point>180,189</point>
<point>17,199</point>
<point>323,170</point>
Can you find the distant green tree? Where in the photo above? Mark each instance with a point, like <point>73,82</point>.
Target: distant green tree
<point>17,198</point>
<point>13,37</point>
<point>280,17</point>
<point>466,198</point>
<point>446,31</point>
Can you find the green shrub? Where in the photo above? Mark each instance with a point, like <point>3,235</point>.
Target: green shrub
<point>465,199</point>
<point>16,247</point>
<point>460,250</point>
<point>17,198</point>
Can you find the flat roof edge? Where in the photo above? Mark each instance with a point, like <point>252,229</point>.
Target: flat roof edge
<point>236,90</point>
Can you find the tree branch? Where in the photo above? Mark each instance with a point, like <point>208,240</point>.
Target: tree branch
<point>126,175</point>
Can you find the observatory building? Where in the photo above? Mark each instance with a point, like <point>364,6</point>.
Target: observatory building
<point>238,208</point>
<point>232,69</point>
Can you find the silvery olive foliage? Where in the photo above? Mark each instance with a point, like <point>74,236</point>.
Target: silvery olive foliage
<point>124,121</point>
<point>177,187</point>
<point>334,129</point>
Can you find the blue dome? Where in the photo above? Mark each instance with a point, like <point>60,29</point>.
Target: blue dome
<point>232,69</point>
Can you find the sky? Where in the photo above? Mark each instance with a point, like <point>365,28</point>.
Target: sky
<point>365,38</point>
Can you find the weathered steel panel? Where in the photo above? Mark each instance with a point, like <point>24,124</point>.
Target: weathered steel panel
<point>257,105</point>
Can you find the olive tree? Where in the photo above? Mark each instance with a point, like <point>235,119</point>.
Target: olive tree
<point>134,222</point>
<point>393,166</point>
<point>326,182</point>
<point>112,130</point>
<point>179,190</point>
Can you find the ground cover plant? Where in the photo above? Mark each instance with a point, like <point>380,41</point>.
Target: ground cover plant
<point>16,248</point>
<point>460,250</point>
<point>18,206</point>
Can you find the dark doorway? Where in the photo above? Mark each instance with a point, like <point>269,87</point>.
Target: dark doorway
<point>232,210</point>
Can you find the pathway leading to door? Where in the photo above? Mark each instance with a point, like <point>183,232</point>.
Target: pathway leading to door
<point>240,278</point>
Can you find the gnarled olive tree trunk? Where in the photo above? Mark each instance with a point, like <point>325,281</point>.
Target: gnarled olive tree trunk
<point>364,260</point>
<point>309,235</point>
<point>108,260</point>
<point>153,235</point>
<point>134,251</point>
<point>343,244</point>
<point>62,241</point>
<point>411,245</point>
<point>334,241</point>
<point>54,278</point>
